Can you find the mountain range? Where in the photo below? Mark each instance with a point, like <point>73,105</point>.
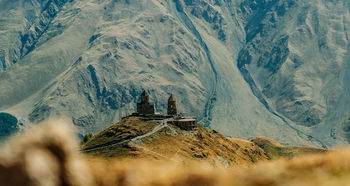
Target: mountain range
<point>246,68</point>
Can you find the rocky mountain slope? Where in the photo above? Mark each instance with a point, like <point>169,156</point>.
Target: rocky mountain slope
<point>275,68</point>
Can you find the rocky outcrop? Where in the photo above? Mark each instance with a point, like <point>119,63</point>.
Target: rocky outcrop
<point>271,58</point>
<point>206,11</point>
<point>30,36</point>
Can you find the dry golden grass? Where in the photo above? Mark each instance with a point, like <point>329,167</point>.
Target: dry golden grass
<point>311,170</point>
<point>49,155</point>
<point>123,130</point>
<point>275,150</point>
<point>172,143</point>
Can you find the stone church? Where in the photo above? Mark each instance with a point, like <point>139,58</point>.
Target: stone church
<point>172,110</point>
<point>147,110</point>
<point>145,107</point>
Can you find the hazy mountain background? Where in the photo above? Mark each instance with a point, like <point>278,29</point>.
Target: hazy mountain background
<point>276,68</point>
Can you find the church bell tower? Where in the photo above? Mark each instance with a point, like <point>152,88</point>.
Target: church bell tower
<point>172,110</point>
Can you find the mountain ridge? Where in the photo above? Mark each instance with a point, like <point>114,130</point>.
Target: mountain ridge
<point>243,68</point>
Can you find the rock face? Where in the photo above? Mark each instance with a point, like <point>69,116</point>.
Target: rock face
<point>247,68</point>
<point>34,17</point>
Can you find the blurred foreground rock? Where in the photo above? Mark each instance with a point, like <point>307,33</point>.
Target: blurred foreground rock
<point>48,155</point>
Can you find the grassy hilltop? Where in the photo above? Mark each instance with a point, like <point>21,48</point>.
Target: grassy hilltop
<point>133,138</point>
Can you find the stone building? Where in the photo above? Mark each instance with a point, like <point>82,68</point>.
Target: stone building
<point>172,110</point>
<point>144,107</point>
<point>185,123</point>
<point>147,111</point>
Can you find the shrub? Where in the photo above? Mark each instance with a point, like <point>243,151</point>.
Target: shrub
<point>87,137</point>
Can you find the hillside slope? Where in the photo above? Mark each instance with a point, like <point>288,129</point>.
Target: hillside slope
<point>275,150</point>
<point>246,68</point>
<point>133,139</point>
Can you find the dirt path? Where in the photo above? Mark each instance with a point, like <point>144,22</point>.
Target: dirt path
<point>162,124</point>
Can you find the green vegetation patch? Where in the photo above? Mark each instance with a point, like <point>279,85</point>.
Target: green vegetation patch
<point>8,125</point>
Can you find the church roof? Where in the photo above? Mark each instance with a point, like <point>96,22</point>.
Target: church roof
<point>144,93</point>
<point>172,98</point>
